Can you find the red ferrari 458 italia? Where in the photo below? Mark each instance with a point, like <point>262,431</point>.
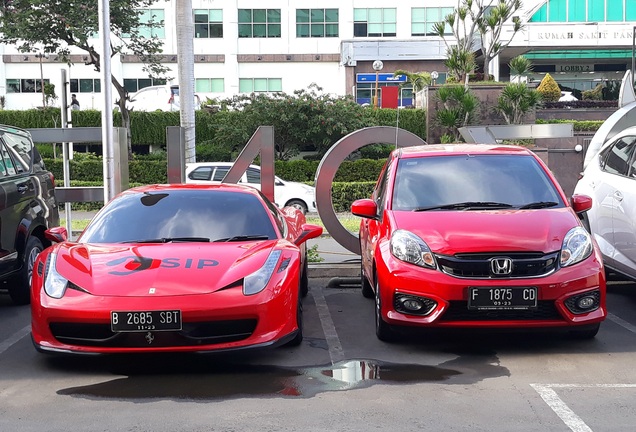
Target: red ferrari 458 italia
<point>477,236</point>
<point>174,268</point>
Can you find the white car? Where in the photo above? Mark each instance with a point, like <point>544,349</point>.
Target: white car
<point>567,96</point>
<point>161,97</point>
<point>610,179</point>
<point>286,193</point>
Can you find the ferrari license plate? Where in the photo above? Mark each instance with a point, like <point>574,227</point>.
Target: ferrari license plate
<point>502,298</point>
<point>140,321</point>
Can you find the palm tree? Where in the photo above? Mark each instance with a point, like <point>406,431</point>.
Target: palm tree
<point>519,66</point>
<point>516,100</point>
<point>185,50</point>
<point>417,80</point>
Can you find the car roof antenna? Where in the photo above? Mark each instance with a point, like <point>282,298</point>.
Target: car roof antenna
<point>397,126</point>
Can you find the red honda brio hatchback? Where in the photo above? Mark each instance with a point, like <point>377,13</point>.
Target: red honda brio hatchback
<point>479,236</point>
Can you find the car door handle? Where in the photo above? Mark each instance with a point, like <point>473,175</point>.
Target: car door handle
<point>618,196</point>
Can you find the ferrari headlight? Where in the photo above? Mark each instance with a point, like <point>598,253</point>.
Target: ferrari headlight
<point>257,281</point>
<point>54,283</point>
<point>577,245</point>
<point>408,247</point>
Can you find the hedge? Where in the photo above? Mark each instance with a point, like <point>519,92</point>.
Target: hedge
<point>343,194</point>
<point>155,171</point>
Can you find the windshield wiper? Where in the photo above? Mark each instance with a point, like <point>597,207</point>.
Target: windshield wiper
<point>539,205</point>
<point>243,238</point>
<point>468,205</point>
<point>170,240</point>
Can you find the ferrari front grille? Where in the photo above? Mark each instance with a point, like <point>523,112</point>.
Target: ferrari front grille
<point>192,334</point>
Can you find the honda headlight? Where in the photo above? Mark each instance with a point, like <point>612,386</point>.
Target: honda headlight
<point>257,281</point>
<point>408,247</point>
<point>577,246</point>
<point>54,283</point>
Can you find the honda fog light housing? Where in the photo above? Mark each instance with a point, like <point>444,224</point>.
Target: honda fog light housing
<point>257,281</point>
<point>584,303</point>
<point>413,305</point>
<point>577,246</point>
<point>408,247</point>
<point>54,283</point>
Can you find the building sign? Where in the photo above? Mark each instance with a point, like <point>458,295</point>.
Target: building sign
<point>383,77</point>
<point>579,34</point>
<point>574,68</point>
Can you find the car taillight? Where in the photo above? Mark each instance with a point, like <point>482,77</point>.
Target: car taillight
<point>52,177</point>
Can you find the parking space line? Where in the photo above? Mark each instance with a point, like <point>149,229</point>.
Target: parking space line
<point>329,329</point>
<point>14,338</point>
<point>621,322</point>
<point>561,409</point>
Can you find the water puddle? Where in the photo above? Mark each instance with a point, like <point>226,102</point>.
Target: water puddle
<point>232,381</point>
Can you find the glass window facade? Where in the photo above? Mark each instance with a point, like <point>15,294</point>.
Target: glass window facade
<point>259,23</point>
<point>208,23</point>
<point>252,85</point>
<point>586,11</point>
<point>316,23</point>
<point>209,85</point>
<point>378,22</point>
<point>423,20</point>
<point>133,85</point>
<point>153,16</point>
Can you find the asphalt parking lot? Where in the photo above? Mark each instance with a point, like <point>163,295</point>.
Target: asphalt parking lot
<point>340,378</point>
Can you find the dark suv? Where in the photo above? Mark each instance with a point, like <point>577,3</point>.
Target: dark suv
<point>27,207</point>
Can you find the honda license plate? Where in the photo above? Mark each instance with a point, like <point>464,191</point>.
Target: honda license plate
<point>502,298</point>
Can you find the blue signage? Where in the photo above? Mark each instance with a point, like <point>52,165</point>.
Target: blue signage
<point>383,77</point>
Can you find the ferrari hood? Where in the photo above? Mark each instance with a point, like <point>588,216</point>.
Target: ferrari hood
<point>489,231</point>
<point>159,269</point>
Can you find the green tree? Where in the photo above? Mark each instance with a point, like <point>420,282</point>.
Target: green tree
<point>520,66</point>
<point>306,118</point>
<point>460,62</point>
<point>417,80</point>
<point>56,26</point>
<point>459,107</point>
<point>516,100</point>
<point>478,17</point>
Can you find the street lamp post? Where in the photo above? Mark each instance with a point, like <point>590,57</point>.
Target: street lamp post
<point>377,67</point>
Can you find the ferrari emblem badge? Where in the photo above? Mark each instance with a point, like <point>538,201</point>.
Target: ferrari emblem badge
<point>149,338</point>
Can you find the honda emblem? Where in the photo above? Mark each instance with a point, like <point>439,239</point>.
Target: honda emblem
<point>501,266</point>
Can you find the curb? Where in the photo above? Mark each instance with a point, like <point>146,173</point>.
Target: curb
<point>330,270</point>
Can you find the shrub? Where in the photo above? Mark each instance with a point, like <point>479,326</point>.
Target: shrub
<point>549,89</point>
<point>594,94</point>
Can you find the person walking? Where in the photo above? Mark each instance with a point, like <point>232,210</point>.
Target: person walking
<point>75,105</point>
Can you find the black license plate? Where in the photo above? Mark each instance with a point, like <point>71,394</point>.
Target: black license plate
<point>502,298</point>
<point>141,321</point>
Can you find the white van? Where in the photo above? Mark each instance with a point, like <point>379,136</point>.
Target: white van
<point>286,193</point>
<point>161,97</point>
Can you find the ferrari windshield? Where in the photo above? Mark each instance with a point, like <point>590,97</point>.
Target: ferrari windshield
<point>473,182</point>
<point>180,216</point>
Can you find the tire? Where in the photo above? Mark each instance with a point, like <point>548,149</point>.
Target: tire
<point>383,331</point>
<point>297,204</point>
<point>20,285</point>
<point>298,338</point>
<point>304,279</point>
<point>585,332</point>
<point>367,289</point>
